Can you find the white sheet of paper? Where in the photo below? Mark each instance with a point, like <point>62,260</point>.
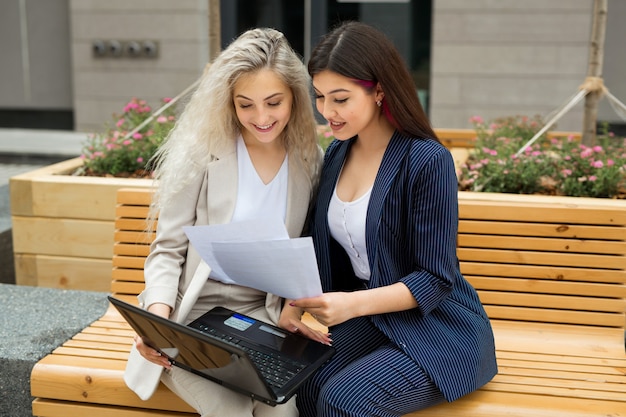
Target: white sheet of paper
<point>259,254</point>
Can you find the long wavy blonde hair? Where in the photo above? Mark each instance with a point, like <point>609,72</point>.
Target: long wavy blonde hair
<point>209,121</point>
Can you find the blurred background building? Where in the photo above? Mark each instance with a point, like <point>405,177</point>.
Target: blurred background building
<point>70,64</point>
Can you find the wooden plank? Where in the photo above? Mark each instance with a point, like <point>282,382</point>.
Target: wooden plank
<point>551,301</point>
<point>94,380</point>
<point>528,314</point>
<point>127,236</point>
<point>63,237</point>
<point>513,366</point>
<point>66,196</point>
<point>134,262</point>
<point>135,196</point>
<point>574,210</point>
<point>137,212</point>
<point>130,249</point>
<point>521,257</point>
<point>74,273</point>
<point>586,289</point>
<point>494,403</point>
<point>25,269</point>
<point>122,287</point>
<point>119,274</point>
<point>564,246</point>
<point>131,224</point>
<point>485,227</point>
<point>63,272</point>
<point>54,408</point>
<point>560,273</point>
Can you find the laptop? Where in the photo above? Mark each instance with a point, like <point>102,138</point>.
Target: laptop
<point>244,354</point>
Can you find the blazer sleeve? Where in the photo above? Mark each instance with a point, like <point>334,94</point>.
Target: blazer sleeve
<point>433,219</point>
<point>164,265</point>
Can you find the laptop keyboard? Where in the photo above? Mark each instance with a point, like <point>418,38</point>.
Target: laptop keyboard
<point>276,370</point>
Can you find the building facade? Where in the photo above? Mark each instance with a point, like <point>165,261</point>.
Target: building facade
<point>71,64</point>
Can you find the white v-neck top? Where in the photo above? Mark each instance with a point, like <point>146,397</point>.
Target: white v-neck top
<point>347,226</point>
<point>255,199</point>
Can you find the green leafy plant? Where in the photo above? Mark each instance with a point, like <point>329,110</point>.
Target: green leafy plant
<point>116,153</point>
<point>556,166</point>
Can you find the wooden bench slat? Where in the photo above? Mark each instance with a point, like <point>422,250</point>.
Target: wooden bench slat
<point>123,287</point>
<point>553,316</point>
<point>134,262</point>
<point>542,272</point>
<point>521,285</point>
<point>122,249</point>
<point>119,274</point>
<point>138,225</point>
<point>564,246</point>
<point>498,403</point>
<point>541,258</point>
<point>133,236</point>
<point>52,408</point>
<point>133,212</point>
<point>75,378</point>
<point>91,353</point>
<point>556,230</point>
<point>134,196</point>
<point>551,301</point>
<point>533,366</point>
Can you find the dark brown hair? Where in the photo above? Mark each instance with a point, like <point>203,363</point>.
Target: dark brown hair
<point>364,54</point>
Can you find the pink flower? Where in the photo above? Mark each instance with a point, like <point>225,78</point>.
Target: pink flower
<point>119,123</point>
<point>161,119</point>
<point>597,148</point>
<point>127,142</point>
<point>597,164</point>
<point>136,136</point>
<point>167,100</point>
<point>476,120</point>
<point>610,162</point>
<point>592,178</point>
<point>140,159</point>
<point>566,172</point>
<point>586,153</point>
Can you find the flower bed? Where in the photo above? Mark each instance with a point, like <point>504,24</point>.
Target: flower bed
<point>551,166</point>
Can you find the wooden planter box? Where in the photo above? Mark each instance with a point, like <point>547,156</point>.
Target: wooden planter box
<point>63,226</point>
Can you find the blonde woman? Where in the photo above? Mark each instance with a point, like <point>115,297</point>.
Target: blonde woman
<point>244,148</point>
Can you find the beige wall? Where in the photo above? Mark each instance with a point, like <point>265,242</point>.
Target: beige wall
<point>505,57</point>
<point>103,85</point>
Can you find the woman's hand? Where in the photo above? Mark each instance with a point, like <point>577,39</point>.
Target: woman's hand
<point>146,351</point>
<point>150,354</point>
<point>291,320</point>
<point>330,308</point>
<point>333,308</point>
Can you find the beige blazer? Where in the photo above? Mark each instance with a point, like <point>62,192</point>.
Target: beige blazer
<point>174,272</point>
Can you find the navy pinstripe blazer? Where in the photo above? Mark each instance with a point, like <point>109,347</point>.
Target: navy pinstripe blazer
<point>411,231</point>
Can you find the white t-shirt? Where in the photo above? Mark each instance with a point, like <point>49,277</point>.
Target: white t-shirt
<point>255,199</point>
<point>347,226</point>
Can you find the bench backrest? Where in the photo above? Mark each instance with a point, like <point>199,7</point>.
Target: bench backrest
<point>531,258</point>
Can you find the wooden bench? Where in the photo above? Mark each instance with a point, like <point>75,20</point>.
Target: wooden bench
<point>551,274</point>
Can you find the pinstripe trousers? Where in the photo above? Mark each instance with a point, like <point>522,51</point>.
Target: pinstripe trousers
<point>367,376</point>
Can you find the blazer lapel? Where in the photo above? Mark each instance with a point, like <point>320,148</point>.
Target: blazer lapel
<point>299,198</point>
<point>389,168</point>
<point>222,177</point>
